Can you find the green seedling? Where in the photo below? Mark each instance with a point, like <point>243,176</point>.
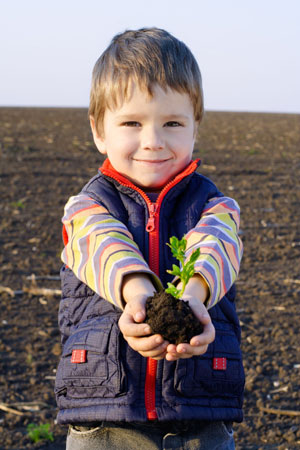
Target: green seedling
<point>186,269</point>
<point>19,204</point>
<point>39,432</point>
<point>253,151</point>
<point>29,359</point>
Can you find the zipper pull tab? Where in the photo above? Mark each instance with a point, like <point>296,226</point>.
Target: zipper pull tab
<point>151,221</point>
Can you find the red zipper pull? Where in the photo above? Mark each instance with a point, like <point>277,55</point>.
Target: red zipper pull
<point>151,221</point>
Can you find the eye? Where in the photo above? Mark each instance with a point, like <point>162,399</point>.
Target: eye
<point>130,123</point>
<point>173,123</point>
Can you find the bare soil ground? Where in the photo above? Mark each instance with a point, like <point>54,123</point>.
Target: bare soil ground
<point>46,156</point>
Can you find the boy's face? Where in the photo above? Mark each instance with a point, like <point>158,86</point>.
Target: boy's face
<point>149,140</point>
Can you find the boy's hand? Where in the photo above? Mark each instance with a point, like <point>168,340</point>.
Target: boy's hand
<point>198,344</point>
<point>136,288</point>
<point>137,333</point>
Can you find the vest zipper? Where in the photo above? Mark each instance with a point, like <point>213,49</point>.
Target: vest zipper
<point>152,228</point>
<point>151,221</point>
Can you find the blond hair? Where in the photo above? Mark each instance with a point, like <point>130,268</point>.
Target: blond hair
<point>147,57</point>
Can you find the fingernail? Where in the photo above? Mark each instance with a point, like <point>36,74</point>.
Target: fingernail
<point>139,316</point>
<point>147,330</point>
<point>197,342</point>
<point>158,340</point>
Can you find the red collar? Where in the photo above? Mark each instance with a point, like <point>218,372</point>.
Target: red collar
<point>109,170</point>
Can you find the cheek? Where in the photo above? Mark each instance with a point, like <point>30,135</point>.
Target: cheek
<point>183,144</point>
<point>127,143</point>
<point>120,149</point>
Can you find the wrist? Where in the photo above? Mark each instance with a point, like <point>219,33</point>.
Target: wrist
<point>197,288</point>
<point>136,285</point>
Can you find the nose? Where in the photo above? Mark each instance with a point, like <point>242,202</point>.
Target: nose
<point>152,139</point>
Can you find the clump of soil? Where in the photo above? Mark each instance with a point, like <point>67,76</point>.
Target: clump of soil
<point>172,318</point>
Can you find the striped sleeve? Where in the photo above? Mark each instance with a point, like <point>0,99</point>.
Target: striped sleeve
<point>99,249</point>
<point>216,234</point>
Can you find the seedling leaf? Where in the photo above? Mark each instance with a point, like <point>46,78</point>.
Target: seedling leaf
<point>185,273</point>
<point>39,432</point>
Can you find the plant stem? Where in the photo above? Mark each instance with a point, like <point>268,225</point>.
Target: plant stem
<point>182,289</point>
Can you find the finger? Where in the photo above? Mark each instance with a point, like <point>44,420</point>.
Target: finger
<point>204,318</point>
<point>145,344</point>
<point>171,356</point>
<point>172,352</point>
<point>159,353</point>
<point>171,348</point>
<point>131,329</point>
<point>197,346</point>
<point>151,346</point>
<point>198,309</point>
<point>206,337</point>
<point>174,356</point>
<point>129,326</point>
<point>136,308</point>
<point>186,352</point>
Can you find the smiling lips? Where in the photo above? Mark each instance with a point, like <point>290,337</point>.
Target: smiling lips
<point>151,161</point>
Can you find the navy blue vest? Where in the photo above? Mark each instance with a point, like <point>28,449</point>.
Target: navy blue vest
<point>109,386</point>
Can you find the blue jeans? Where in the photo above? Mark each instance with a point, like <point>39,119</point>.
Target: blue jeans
<point>152,436</point>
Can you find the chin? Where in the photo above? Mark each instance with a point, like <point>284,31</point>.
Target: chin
<point>151,187</point>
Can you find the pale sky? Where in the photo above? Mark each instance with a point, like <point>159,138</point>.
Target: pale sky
<point>247,50</point>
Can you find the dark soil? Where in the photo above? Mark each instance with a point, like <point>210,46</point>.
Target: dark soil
<point>172,318</point>
<point>47,155</point>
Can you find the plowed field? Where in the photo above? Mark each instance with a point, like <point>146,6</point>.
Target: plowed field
<point>46,156</point>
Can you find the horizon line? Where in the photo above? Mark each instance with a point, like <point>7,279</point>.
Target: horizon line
<point>221,110</point>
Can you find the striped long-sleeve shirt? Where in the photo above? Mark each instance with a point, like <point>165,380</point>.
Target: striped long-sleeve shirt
<point>216,234</point>
<point>100,250</point>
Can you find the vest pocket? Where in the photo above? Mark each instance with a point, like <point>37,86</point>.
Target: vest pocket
<point>219,372</point>
<point>90,366</point>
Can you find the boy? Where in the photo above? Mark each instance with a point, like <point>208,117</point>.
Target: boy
<point>118,385</point>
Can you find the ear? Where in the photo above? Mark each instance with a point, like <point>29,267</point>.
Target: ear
<point>196,128</point>
<point>98,138</point>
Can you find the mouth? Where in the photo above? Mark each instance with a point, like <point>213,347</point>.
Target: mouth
<point>152,161</point>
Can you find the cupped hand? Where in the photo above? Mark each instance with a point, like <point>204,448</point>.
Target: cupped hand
<point>136,333</point>
<point>198,344</point>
